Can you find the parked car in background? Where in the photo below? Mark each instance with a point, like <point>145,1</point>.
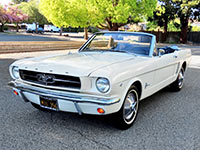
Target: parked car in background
<point>31,28</point>
<point>51,28</point>
<point>40,30</point>
<point>109,74</point>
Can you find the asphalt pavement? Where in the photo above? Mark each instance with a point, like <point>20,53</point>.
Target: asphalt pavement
<point>166,121</point>
<point>46,36</point>
<point>9,37</point>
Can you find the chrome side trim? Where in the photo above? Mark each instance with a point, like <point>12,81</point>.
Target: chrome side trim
<point>64,96</point>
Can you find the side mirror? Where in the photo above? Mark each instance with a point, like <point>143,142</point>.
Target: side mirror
<point>161,52</point>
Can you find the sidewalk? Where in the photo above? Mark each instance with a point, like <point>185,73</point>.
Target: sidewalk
<point>195,62</point>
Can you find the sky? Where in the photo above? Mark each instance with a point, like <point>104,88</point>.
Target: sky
<point>5,1</point>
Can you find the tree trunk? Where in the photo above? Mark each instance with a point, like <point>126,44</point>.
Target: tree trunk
<point>159,37</point>
<point>61,31</point>
<point>183,38</point>
<point>165,30</point>
<point>114,27</point>
<point>1,27</point>
<point>184,29</point>
<point>36,28</point>
<point>17,29</point>
<point>111,26</point>
<point>86,33</point>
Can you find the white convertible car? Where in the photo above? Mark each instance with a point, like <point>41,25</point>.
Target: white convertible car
<point>109,74</point>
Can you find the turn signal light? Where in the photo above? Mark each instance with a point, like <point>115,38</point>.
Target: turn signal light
<point>100,110</point>
<point>15,92</point>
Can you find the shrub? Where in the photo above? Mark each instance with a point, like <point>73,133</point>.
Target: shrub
<point>5,27</point>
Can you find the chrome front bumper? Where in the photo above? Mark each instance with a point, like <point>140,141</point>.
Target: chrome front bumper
<point>76,98</point>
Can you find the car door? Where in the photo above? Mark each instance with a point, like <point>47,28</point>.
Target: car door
<point>166,68</point>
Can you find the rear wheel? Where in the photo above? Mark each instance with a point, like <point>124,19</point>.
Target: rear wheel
<point>178,84</point>
<point>128,112</point>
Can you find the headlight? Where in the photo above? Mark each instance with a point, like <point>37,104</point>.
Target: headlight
<point>15,72</point>
<point>103,85</point>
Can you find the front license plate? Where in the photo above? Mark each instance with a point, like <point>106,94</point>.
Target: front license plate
<point>49,103</point>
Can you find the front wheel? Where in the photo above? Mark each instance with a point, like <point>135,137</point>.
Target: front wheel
<point>128,112</point>
<point>178,84</point>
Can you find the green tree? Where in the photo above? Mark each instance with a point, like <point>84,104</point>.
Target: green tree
<point>165,12</point>
<point>19,1</point>
<point>186,10</point>
<point>174,25</point>
<point>195,28</point>
<point>118,13</point>
<point>105,14</point>
<point>70,13</point>
<point>31,8</point>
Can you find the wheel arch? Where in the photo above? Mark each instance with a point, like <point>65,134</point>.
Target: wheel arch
<point>184,65</point>
<point>138,84</point>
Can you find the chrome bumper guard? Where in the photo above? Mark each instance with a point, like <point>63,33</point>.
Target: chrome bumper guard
<point>24,87</point>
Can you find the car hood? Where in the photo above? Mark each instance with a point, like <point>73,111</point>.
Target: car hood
<point>77,64</point>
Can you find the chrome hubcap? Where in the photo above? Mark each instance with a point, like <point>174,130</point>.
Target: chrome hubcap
<point>180,78</point>
<point>130,107</point>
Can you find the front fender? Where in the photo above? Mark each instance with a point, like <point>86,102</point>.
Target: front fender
<point>126,86</point>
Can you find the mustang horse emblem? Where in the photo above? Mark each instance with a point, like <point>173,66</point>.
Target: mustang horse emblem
<point>47,79</point>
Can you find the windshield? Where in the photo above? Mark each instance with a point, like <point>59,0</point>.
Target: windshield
<point>120,42</point>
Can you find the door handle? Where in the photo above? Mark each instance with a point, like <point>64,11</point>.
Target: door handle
<point>175,56</point>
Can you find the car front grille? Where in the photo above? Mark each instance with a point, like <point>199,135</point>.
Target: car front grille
<point>49,79</point>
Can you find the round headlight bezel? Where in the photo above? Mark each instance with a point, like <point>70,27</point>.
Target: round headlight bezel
<point>104,81</point>
<point>15,72</point>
